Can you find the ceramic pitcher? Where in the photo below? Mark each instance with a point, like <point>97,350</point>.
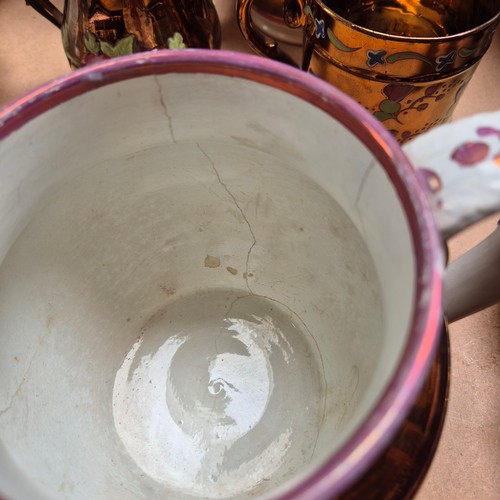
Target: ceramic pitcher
<point>100,29</point>
<point>238,296</point>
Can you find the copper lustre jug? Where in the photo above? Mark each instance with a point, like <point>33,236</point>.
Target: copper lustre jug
<point>100,29</point>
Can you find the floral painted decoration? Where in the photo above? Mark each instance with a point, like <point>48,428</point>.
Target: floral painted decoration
<point>381,57</point>
<point>459,165</point>
<point>176,41</point>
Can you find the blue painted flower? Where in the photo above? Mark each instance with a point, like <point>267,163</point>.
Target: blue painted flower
<point>442,61</point>
<point>320,27</point>
<point>375,57</point>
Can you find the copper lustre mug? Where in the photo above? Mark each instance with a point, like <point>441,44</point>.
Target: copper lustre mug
<point>100,29</point>
<point>406,61</point>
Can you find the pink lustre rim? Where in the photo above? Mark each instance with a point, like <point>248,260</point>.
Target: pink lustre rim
<point>375,433</point>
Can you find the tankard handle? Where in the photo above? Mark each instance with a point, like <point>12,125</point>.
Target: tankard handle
<point>47,10</point>
<point>472,282</point>
<point>263,45</point>
<point>458,165</point>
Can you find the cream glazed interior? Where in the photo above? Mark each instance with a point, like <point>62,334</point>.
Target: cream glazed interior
<point>206,286</point>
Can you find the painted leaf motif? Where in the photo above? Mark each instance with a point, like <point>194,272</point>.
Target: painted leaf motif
<point>176,41</point>
<point>338,44</point>
<point>123,47</point>
<point>91,43</point>
<point>390,107</point>
<point>465,52</point>
<point>382,116</point>
<point>404,56</point>
<point>485,131</point>
<point>107,49</point>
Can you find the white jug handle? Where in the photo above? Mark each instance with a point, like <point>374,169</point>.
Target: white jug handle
<point>472,282</point>
<point>459,165</point>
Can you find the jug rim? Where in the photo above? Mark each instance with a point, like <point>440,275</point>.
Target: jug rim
<point>413,39</point>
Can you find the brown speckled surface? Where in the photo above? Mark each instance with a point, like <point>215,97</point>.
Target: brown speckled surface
<point>467,463</point>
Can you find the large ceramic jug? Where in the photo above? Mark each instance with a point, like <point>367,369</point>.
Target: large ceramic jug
<point>100,29</point>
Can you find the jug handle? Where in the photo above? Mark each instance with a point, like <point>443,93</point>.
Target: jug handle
<point>472,282</point>
<point>458,165</point>
<point>293,16</point>
<point>47,10</point>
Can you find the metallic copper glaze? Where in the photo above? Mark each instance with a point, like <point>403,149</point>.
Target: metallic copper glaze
<point>100,29</point>
<point>406,61</point>
<point>400,470</point>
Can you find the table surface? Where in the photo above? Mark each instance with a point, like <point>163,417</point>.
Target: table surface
<point>467,462</point>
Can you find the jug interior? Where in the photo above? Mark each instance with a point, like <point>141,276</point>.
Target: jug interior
<point>206,286</point>
<point>416,18</point>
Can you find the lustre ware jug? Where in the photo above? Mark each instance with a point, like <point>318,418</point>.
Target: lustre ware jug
<point>99,29</point>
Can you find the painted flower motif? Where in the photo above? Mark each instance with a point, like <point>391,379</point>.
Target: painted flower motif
<point>431,179</point>
<point>122,47</point>
<point>102,49</point>
<point>402,101</point>
<point>433,183</point>
<point>390,107</point>
<point>442,61</point>
<point>469,154</point>
<point>320,27</point>
<point>375,57</point>
<point>485,131</point>
<point>496,160</point>
<point>176,41</point>
<point>398,91</point>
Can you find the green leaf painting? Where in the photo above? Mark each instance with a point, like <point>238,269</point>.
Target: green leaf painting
<point>122,47</point>
<point>404,56</point>
<point>176,41</point>
<point>338,44</point>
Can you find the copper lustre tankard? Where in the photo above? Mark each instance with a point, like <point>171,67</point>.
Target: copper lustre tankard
<point>100,29</point>
<point>406,61</point>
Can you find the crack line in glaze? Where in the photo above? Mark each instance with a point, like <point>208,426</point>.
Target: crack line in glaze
<point>359,194</point>
<point>318,351</point>
<point>231,195</point>
<point>252,293</point>
<point>165,110</point>
<point>202,408</point>
<point>27,372</point>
